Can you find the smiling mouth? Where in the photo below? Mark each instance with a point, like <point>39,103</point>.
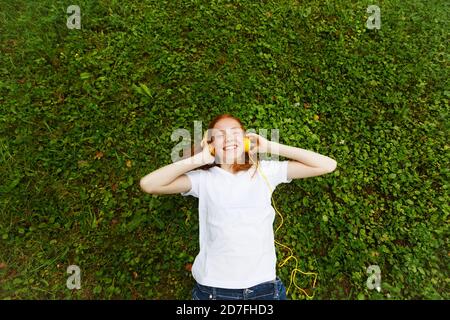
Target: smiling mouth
<point>232,147</point>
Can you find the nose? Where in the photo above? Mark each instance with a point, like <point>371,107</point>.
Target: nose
<point>228,137</point>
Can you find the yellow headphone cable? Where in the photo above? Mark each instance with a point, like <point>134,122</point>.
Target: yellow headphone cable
<point>283,262</point>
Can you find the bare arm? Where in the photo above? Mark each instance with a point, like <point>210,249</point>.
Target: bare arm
<point>304,163</point>
<point>171,178</point>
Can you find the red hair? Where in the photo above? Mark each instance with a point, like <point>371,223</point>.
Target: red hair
<point>235,167</point>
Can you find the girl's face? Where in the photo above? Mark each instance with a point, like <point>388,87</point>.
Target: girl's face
<point>228,141</point>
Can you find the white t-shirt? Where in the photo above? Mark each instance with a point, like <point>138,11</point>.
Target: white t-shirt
<point>236,218</point>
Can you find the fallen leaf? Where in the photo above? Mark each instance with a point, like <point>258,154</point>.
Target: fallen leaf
<point>188,266</point>
<point>2,265</point>
<point>128,163</point>
<point>98,155</point>
<point>375,254</point>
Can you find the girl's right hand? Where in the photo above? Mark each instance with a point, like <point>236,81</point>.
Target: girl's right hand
<point>207,157</point>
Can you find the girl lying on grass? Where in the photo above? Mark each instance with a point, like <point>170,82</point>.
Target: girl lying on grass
<point>237,257</point>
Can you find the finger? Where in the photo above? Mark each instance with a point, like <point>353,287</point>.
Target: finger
<point>202,143</point>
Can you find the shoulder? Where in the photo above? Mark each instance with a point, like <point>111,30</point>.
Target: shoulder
<point>276,170</point>
<point>273,165</point>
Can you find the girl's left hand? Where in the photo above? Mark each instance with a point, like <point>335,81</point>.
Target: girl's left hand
<point>258,143</point>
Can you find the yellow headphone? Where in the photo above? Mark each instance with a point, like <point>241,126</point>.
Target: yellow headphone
<point>247,144</point>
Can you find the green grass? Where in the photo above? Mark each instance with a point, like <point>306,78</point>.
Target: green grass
<point>86,113</point>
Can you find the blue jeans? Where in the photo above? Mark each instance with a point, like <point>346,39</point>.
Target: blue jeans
<point>270,290</point>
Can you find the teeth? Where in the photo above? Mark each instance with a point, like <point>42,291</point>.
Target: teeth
<point>230,147</point>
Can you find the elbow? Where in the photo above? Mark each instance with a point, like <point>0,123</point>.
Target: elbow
<point>145,186</point>
<point>331,167</point>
